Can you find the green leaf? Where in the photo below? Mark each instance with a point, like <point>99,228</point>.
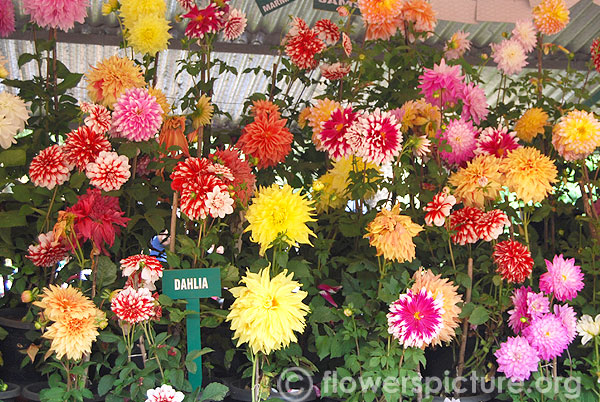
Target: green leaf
<point>213,392</point>
<point>105,384</point>
<point>11,219</point>
<point>77,179</point>
<point>479,315</point>
<point>323,314</point>
<point>107,271</point>
<point>69,82</point>
<point>13,157</point>
<point>25,58</point>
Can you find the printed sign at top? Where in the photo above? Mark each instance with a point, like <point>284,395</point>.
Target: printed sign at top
<point>267,6</point>
<point>192,283</point>
<point>332,5</point>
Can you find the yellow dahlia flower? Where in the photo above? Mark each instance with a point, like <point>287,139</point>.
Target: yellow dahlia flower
<point>60,302</point>
<point>303,117</point>
<point>277,212</point>
<point>438,286</point>
<point>479,181</point>
<point>3,70</point>
<point>111,78</point>
<point>266,312</point>
<point>551,16</point>
<point>73,337</point>
<point>531,124</point>
<point>335,182</point>
<point>131,10</point>
<point>391,234</point>
<point>421,116</point>
<point>161,98</point>
<point>149,34</point>
<point>110,6</point>
<point>576,135</point>
<point>320,113</point>
<point>204,112</point>
<point>529,173</point>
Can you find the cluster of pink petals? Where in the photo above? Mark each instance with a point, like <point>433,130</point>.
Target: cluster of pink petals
<point>548,335</point>
<point>203,21</point>
<point>518,317</point>
<point>333,133</point>
<point>517,359</point>
<point>442,85</point>
<point>137,115</point>
<point>50,168</point>
<point>48,251</point>
<point>456,47</point>
<point>99,118</point>
<point>475,105</point>
<point>526,34</point>
<point>109,171</point>
<point>563,279</point>
<point>566,314</point>
<point>327,31</point>
<point>510,56</point>
<point>83,145</point>
<point>335,71</point>
<point>415,319</point>
<point>60,14</point>
<point>346,44</point>
<point>219,202</point>
<point>133,305</point>
<point>375,137</point>
<point>461,136</point>
<point>439,209</point>
<point>496,141</point>
<point>144,269</point>
<point>235,24</point>
<point>7,18</point>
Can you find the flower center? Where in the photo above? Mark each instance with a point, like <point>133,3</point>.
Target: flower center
<point>564,277</point>
<point>418,315</point>
<point>339,127</point>
<point>199,18</point>
<point>271,303</point>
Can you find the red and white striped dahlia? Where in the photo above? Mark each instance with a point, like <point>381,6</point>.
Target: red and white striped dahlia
<point>109,171</point>
<point>133,305</point>
<point>50,168</point>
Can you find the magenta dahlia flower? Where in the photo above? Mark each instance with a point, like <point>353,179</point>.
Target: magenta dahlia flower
<point>496,141</point>
<point>60,14</point>
<point>537,305</point>
<point>461,136</point>
<point>137,115</point>
<point>415,319</point>
<point>568,317</point>
<point>333,133</point>
<point>375,137</point>
<point>7,18</point>
<point>203,21</point>
<point>563,278</point>
<point>518,318</point>
<point>443,84</point>
<point>548,335</point>
<point>475,105</point>
<point>517,359</point>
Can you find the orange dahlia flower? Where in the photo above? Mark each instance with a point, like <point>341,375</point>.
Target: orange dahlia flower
<point>266,139</point>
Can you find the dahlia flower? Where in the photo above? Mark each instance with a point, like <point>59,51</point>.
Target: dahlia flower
<point>266,139</point>
<point>244,181</point>
<point>203,114</point>
<point>109,171</point>
<point>425,279</point>
<point>518,317</point>
<point>548,335</point>
<point>588,328</point>
<point>475,106</point>
<point>187,171</point>
<point>462,223</point>
<point>517,359</point>
<point>327,31</point>
<point>72,337</point>
<point>392,235</point>
<point>595,53</point>
<point>420,15</point>
<point>133,305</point>
<point>416,318</point>
<point>48,252</point>
<point>513,260</point>
<point>203,21</point>
<point>537,305</point>
<point>568,317</point>
<point>563,279</point>
<point>303,47</point>
<point>551,16</point>
<point>99,118</point>
<point>332,135</point>
<point>131,10</point>
<point>443,84</point>
<point>510,56</point>
<point>576,135</point>
<point>137,115</point>
<point>461,136</point>
<point>146,269</point>
<point>422,146</point>
<point>346,44</point>
<point>172,134</point>
<point>439,209</point>
<point>278,213</point>
<point>264,106</point>
<point>219,203</point>
<point>149,34</point>
<point>83,145</point>
<point>111,78</point>
<point>525,33</point>
<point>375,137</point>
<point>458,44</point>
<point>59,302</point>
<point>491,225</point>
<point>376,12</point>
<point>235,24</point>
<point>529,174</point>
<point>60,14</point>
<point>420,116</point>
<point>496,141</point>
<point>531,124</point>
<point>319,114</point>
<point>50,168</point>
<point>335,71</point>
<point>7,18</point>
<point>164,393</point>
<point>267,311</point>
<point>13,115</point>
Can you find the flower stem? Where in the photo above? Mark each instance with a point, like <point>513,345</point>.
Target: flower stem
<point>255,386</point>
<point>47,219</point>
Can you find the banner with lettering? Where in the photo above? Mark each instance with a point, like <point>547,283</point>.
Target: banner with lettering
<point>267,6</point>
<point>332,5</point>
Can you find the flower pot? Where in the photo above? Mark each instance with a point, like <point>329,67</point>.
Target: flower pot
<point>12,392</point>
<point>31,392</point>
<point>14,346</point>
<point>238,393</point>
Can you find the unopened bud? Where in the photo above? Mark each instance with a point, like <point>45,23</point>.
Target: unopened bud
<point>27,296</point>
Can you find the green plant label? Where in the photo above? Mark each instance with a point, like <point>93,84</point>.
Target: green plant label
<point>267,6</point>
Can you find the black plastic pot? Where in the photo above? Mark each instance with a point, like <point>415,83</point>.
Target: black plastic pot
<point>14,346</point>
<point>238,393</point>
<point>12,392</point>
<point>31,392</point>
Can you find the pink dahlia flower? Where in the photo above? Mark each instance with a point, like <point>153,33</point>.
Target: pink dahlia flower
<point>346,44</point>
<point>518,318</point>
<point>333,133</point>
<point>564,279</point>
<point>496,141</point>
<point>456,47</point>
<point>461,136</point>
<point>219,203</point>
<point>537,305</point>
<point>443,84</point>
<point>133,305</point>
<point>60,14</point>
<point>439,208</point>
<point>203,21</point>
<point>510,56</point>
<point>475,106</point>
<point>517,359</point>
<point>526,34</point>
<point>137,115</point>
<point>50,168</point>
<point>548,335</point>
<point>375,137</point>
<point>235,24</point>
<point>109,171</point>
<point>7,18</point>
<point>415,319</point>
<point>568,317</point>
<point>48,251</point>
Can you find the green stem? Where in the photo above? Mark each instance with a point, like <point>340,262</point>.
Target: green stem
<point>255,385</point>
<point>47,219</point>
<point>153,346</point>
